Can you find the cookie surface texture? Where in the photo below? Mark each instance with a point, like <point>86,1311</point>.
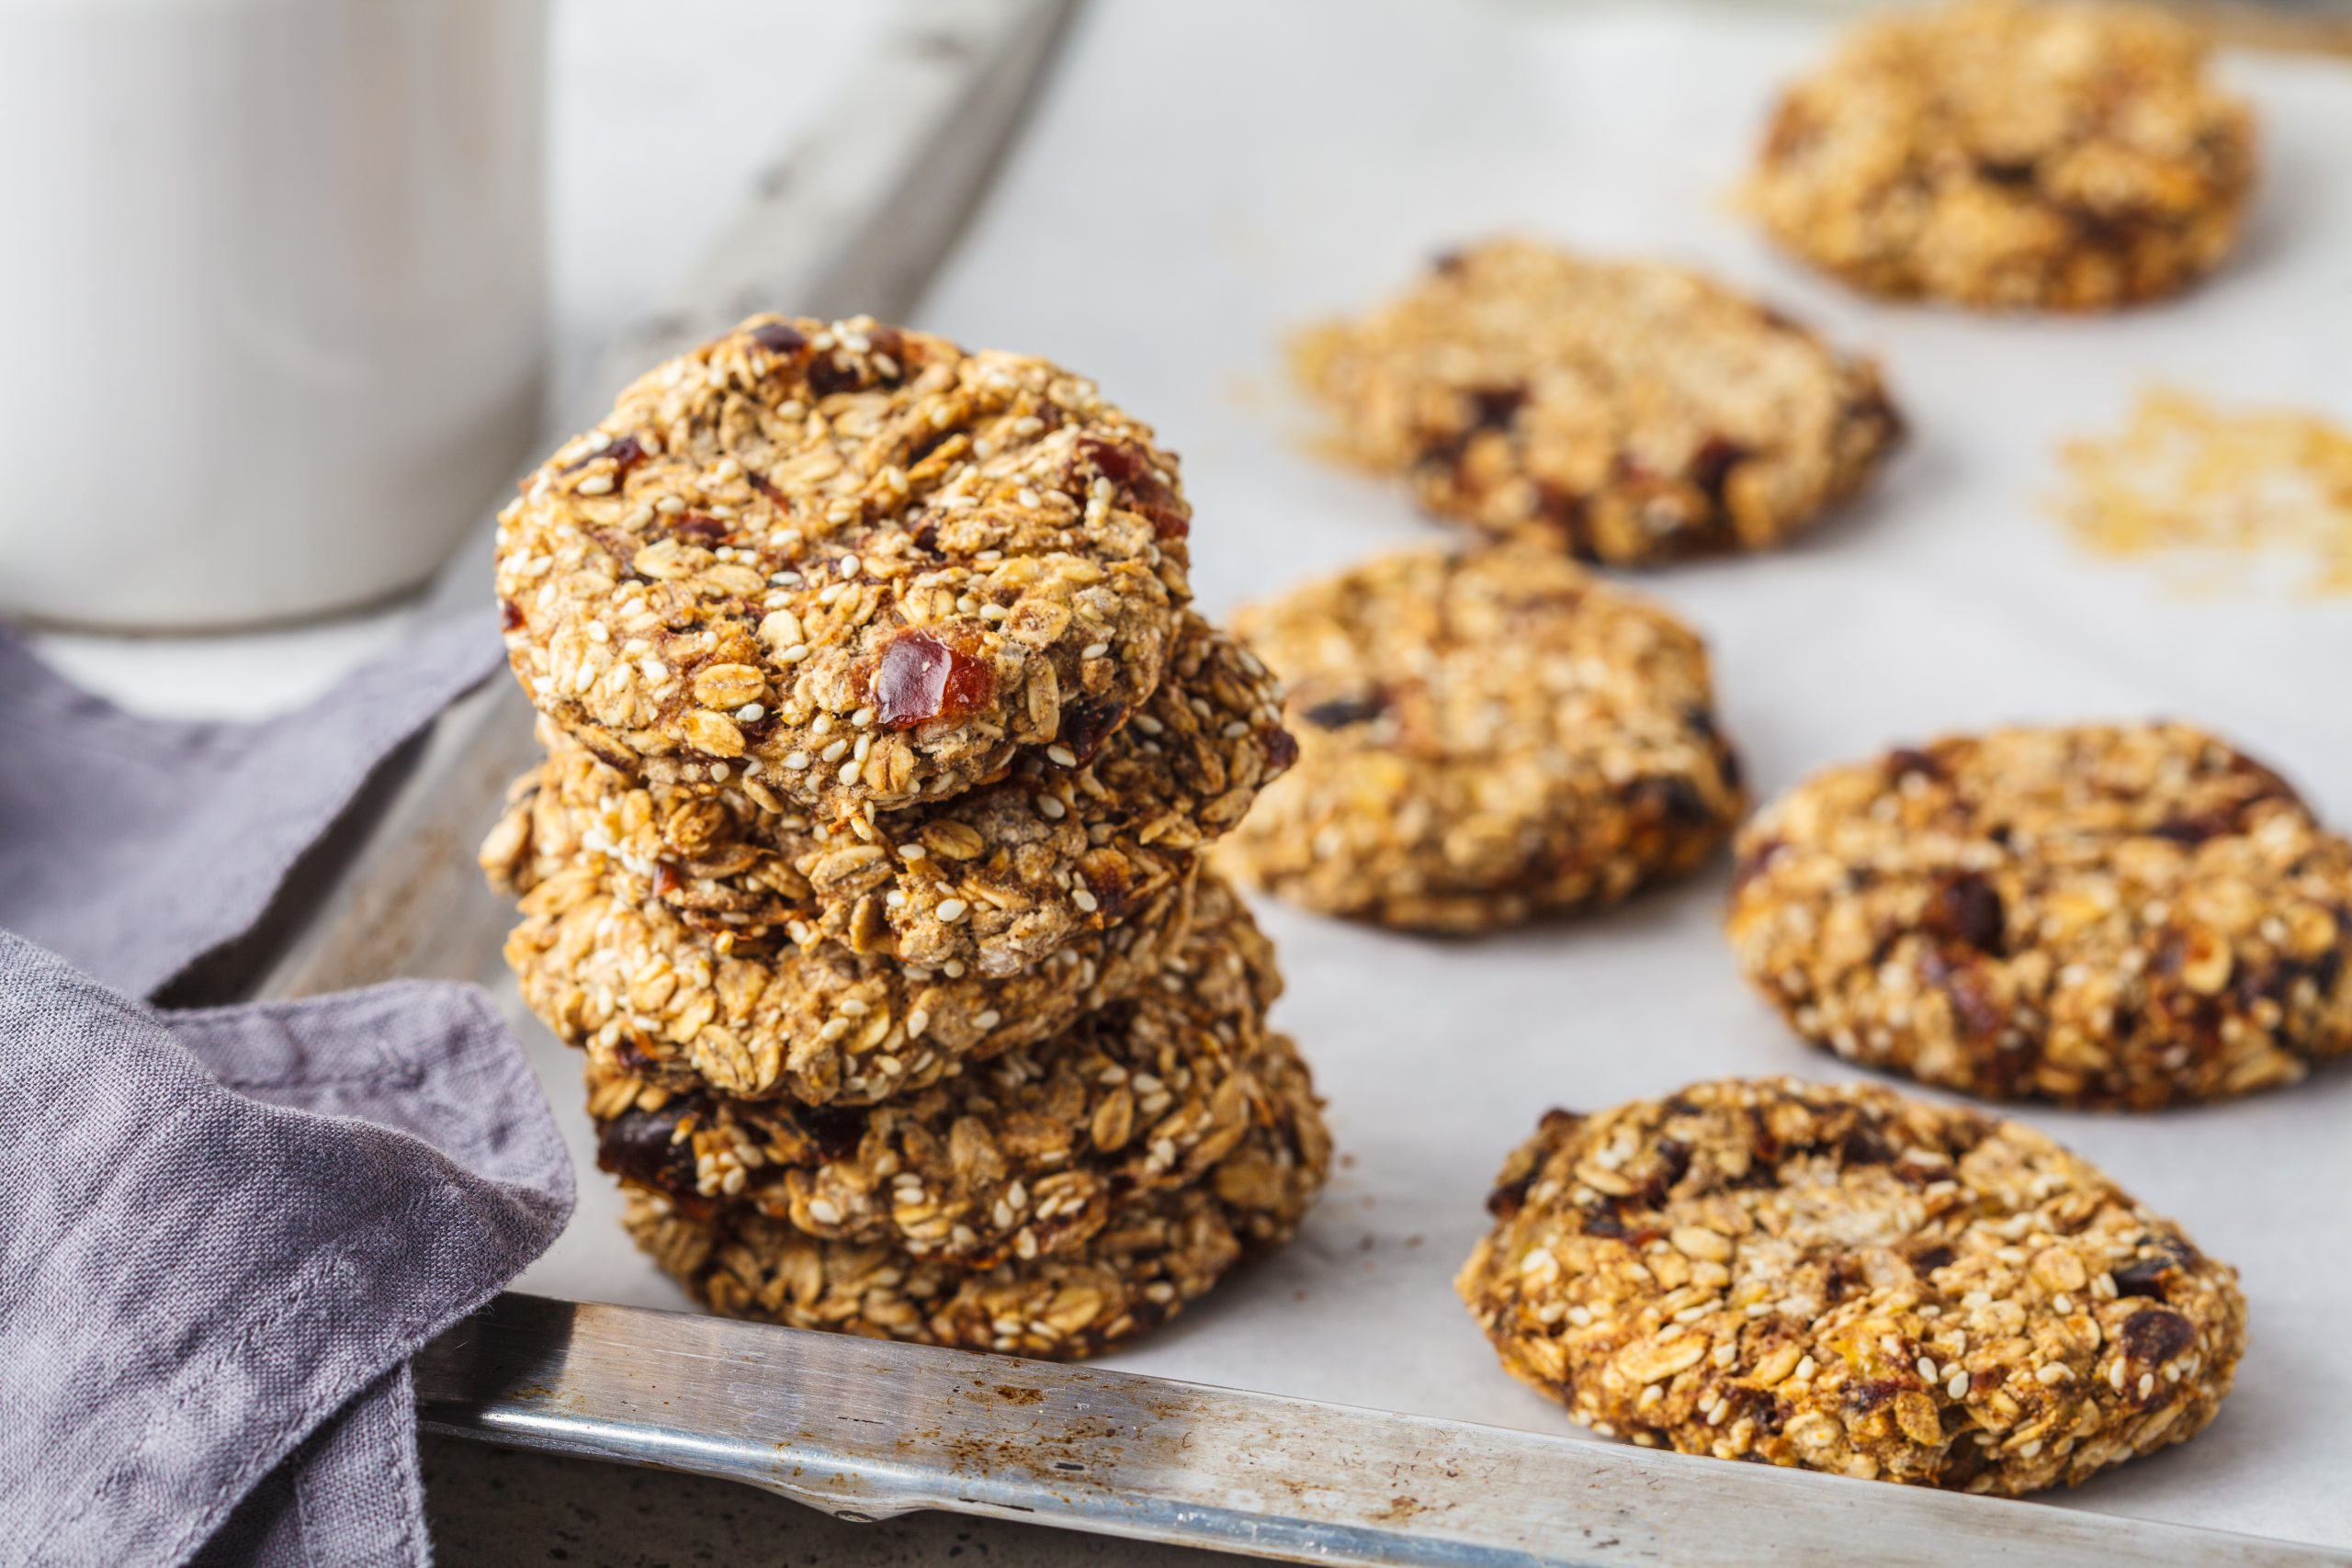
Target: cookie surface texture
<point>2006,154</point>
<point>2123,916</point>
<point>1616,412</point>
<point>855,564</point>
<point>1846,1280</point>
<point>1485,735</point>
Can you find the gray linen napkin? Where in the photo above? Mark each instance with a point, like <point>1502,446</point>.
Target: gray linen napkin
<point>136,847</point>
<point>223,1233</point>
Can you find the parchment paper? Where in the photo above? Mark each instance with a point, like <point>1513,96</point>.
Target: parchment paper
<point>1201,178</point>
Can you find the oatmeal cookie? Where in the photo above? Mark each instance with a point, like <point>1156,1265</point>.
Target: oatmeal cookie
<point>1849,1280</point>
<point>997,879</point>
<point>645,994</point>
<point>854,564</point>
<point>1483,737</point>
<point>2009,154</point>
<point>1023,1156</point>
<point>1158,1252</point>
<point>2123,916</point>
<point>1621,411</point>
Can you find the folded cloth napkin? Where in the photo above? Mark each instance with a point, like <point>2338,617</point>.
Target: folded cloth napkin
<point>136,847</point>
<point>223,1232</point>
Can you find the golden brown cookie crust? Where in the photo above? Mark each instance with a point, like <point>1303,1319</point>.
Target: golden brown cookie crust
<point>2009,155</point>
<point>643,992</point>
<point>1485,737</point>
<point>996,880</point>
<point>853,563</point>
<point>1154,1254</point>
<point>1620,412</point>
<point>2124,916</point>
<point>1846,1280</point>
<point>1023,1156</point>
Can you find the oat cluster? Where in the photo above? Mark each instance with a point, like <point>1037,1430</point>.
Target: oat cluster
<point>2123,916</point>
<point>2009,155</point>
<point>1485,737</point>
<point>883,747</point>
<point>1850,1281</point>
<point>1617,412</point>
<point>2217,488</point>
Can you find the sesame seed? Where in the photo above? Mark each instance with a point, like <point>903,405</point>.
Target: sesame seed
<point>596,484</point>
<point>795,654</point>
<point>823,1211</point>
<point>1061,756</point>
<point>848,773</point>
<point>911,851</point>
<point>1083,899</point>
<point>795,761</point>
<point>993,612</point>
<point>952,910</point>
<point>862,716</point>
<point>988,1020</point>
<point>848,566</point>
<point>2053,1372</point>
<point>1958,1387</point>
<point>835,750</point>
<point>1094,650</point>
<point>751,713</point>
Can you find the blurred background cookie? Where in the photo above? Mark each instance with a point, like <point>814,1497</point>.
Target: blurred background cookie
<point>1485,735</point>
<point>2125,915</point>
<point>1620,411</point>
<point>1846,1280</point>
<point>2011,154</point>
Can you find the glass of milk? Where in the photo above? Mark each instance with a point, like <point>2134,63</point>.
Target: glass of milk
<point>272,299</point>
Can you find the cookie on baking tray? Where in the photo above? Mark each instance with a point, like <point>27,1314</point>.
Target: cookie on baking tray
<point>1485,735</point>
<point>1024,1155</point>
<point>2011,155</point>
<point>645,994</point>
<point>2103,915</point>
<point>1623,411</point>
<point>997,879</point>
<point>1156,1250</point>
<point>1846,1280</point>
<point>855,564</point>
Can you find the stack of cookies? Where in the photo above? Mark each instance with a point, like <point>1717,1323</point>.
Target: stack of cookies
<point>882,746</point>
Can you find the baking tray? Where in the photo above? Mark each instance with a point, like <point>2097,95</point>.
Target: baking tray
<point>1196,181</point>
